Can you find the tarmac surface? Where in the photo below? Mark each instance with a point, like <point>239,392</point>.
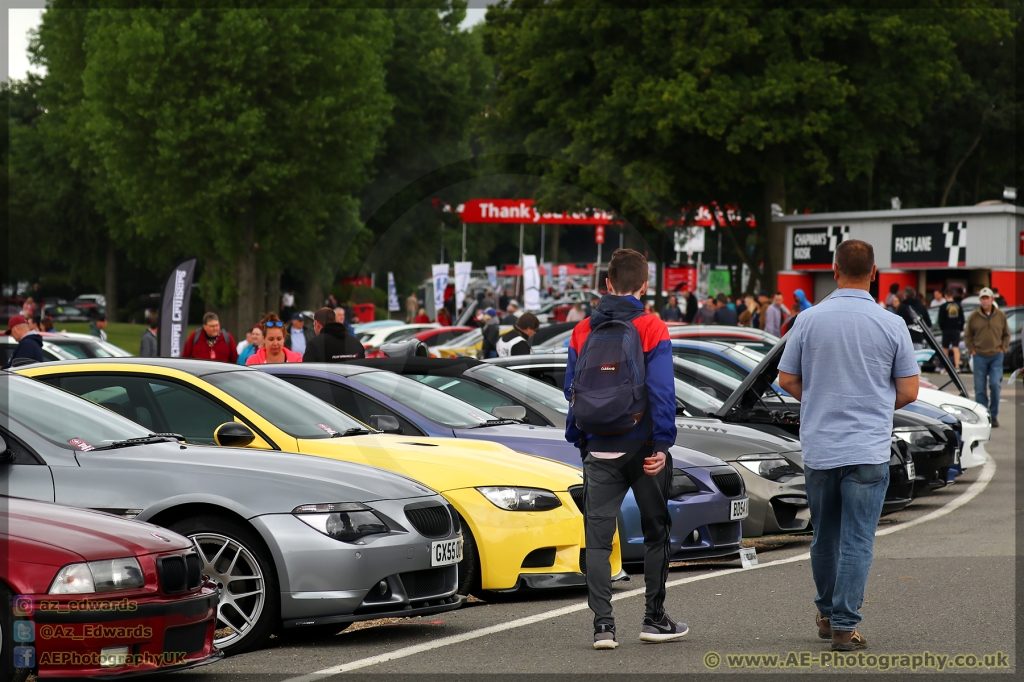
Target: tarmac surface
<point>942,582</point>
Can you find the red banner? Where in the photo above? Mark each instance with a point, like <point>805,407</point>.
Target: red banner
<point>523,211</point>
<point>358,281</point>
<point>680,275</point>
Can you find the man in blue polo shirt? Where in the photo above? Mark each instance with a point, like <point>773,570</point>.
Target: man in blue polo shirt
<point>854,363</point>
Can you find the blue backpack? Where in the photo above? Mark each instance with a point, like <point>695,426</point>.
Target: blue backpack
<point>608,391</point>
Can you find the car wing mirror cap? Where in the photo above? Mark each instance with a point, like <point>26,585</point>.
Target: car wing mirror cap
<point>386,423</point>
<point>233,435</point>
<point>517,412</point>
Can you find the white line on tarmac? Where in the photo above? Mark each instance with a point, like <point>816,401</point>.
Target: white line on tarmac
<point>987,472</point>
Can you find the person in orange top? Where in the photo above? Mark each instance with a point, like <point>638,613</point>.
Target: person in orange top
<point>273,350</point>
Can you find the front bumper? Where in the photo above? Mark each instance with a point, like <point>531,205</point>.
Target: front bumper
<point>775,508</point>
<point>504,539</point>
<point>160,633</point>
<point>324,580</point>
<point>975,436</point>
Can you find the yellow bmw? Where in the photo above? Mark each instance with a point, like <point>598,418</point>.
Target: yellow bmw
<point>522,524</point>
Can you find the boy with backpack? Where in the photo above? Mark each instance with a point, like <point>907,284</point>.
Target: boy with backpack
<point>622,408</point>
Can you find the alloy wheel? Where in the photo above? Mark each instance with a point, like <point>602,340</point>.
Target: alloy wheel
<point>242,589</point>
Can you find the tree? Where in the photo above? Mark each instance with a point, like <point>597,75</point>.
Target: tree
<point>237,135</point>
<point>652,108</point>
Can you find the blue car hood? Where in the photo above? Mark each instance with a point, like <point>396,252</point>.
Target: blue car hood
<point>547,441</point>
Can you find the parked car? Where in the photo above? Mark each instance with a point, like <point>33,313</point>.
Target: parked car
<point>778,500</point>
<point>376,324</point>
<point>749,337</point>
<point>84,345</point>
<point>61,565</point>
<point>51,353</point>
<point>489,486</point>
<point>467,345</point>
<point>375,338</point>
<point>281,517</point>
<point>441,335</point>
<point>707,506</point>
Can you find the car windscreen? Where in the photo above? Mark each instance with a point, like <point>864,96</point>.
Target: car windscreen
<point>694,397</point>
<point>63,418</point>
<point>548,396</point>
<point>84,349</point>
<point>557,341</point>
<point>290,409</point>
<point>700,371</point>
<point>430,402</point>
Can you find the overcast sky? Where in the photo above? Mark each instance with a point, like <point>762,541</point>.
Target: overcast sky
<point>21,21</point>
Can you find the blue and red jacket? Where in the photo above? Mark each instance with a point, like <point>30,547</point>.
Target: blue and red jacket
<point>658,427</point>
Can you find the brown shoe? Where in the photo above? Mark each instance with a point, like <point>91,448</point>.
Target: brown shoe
<point>995,423</point>
<point>824,628</point>
<point>844,640</point>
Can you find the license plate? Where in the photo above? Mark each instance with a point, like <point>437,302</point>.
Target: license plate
<point>911,472</point>
<point>738,509</point>
<point>445,552</point>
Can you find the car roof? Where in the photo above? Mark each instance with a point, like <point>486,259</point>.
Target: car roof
<point>344,369</point>
<point>420,365</point>
<point>196,367</point>
<point>700,345</point>
<point>533,359</point>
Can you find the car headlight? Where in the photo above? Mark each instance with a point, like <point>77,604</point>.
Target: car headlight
<point>344,521</point>
<point>107,575</point>
<point>521,499</point>
<point>962,413</point>
<point>919,437</point>
<point>681,484</point>
<point>772,467</point>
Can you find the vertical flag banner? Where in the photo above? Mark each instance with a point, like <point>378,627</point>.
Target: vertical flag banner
<point>492,276</point>
<point>392,294</point>
<point>462,272</point>
<point>440,274</point>
<point>173,320</point>
<point>652,275</point>
<point>531,283</point>
<point>563,277</point>
<point>549,275</point>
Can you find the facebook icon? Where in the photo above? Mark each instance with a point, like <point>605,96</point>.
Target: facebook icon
<point>24,657</point>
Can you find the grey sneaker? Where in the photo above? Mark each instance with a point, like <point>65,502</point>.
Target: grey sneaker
<point>604,637</point>
<point>663,630</point>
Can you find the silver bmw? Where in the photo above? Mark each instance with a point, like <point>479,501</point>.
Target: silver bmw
<point>296,543</point>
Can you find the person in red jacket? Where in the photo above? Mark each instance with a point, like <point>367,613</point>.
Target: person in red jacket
<point>210,342</point>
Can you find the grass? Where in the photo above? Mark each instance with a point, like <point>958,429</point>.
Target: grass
<point>121,334</point>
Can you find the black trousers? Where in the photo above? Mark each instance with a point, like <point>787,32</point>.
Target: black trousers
<point>605,484</point>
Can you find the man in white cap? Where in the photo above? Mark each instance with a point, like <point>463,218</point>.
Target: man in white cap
<point>987,336</point>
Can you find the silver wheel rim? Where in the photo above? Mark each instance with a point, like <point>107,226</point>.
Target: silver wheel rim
<point>234,568</point>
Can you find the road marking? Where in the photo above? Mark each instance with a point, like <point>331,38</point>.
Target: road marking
<point>987,473</point>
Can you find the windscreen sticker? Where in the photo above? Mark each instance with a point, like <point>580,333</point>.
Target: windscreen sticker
<point>327,429</point>
<point>80,444</point>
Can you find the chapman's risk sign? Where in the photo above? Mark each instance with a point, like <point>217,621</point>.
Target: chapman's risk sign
<point>815,247</point>
<point>930,245</point>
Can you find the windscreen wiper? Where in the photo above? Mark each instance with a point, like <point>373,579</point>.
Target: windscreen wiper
<point>145,440</point>
<point>496,422</point>
<point>354,431</point>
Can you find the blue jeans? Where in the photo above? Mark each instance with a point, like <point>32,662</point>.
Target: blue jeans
<point>845,503</point>
<point>988,370</point>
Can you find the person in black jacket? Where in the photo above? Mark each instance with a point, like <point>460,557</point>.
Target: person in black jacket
<point>951,322</point>
<point>691,307</point>
<point>909,301</point>
<point>30,343</point>
<point>333,342</point>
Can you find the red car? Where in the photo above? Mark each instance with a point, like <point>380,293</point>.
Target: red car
<point>441,335</point>
<point>88,594</point>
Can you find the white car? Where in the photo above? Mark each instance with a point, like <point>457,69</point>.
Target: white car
<point>375,338</point>
<point>974,418</point>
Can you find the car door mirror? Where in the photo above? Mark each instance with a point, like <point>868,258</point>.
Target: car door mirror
<point>517,412</point>
<point>6,454</point>
<point>385,423</point>
<point>233,435</point>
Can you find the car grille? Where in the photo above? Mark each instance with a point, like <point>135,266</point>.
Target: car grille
<point>583,561</point>
<point>187,639</point>
<point>730,485</point>
<point>432,520</point>
<point>576,492</point>
<point>426,583</point>
<point>179,573</point>
<point>540,558</point>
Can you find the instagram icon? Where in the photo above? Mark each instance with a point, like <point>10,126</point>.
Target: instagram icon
<point>23,605</point>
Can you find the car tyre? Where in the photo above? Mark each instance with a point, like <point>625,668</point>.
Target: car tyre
<point>7,669</point>
<point>469,567</point>
<point>250,596</point>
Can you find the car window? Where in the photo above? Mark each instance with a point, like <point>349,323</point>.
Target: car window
<point>715,363</point>
<point>549,396</point>
<point>437,406</point>
<point>694,397</point>
<point>468,391</point>
<point>399,335</point>
<point>287,407</point>
<point>127,395</point>
<point>351,402</point>
<point>61,417</point>
<point>548,375</point>
<point>188,412</point>
<point>73,348</point>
